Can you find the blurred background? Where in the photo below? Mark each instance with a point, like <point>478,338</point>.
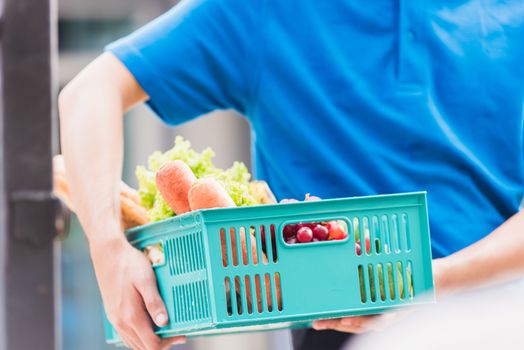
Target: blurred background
<point>84,28</point>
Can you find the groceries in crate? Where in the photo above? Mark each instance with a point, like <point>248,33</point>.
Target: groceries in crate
<point>182,163</point>
<point>147,204</point>
<point>309,232</point>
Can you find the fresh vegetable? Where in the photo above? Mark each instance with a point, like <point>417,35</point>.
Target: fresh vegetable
<point>173,180</point>
<point>235,180</point>
<point>261,193</point>
<point>209,193</point>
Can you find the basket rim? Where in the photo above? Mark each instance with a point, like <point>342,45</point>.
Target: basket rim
<point>197,214</point>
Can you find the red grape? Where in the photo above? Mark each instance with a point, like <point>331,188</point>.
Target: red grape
<point>320,232</point>
<point>358,249</point>
<point>290,230</point>
<point>304,235</point>
<point>311,225</point>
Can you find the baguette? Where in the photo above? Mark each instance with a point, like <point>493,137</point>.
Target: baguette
<point>132,213</point>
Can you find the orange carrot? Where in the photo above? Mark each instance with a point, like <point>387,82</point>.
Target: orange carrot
<point>174,179</point>
<point>208,193</point>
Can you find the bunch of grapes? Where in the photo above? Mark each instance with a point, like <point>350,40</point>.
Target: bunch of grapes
<point>315,232</point>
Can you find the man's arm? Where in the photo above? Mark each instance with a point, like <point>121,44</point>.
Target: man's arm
<point>497,258</point>
<point>91,117</point>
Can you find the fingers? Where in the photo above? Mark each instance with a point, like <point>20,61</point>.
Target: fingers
<point>134,324</point>
<point>147,340</point>
<point>128,343</point>
<point>168,342</point>
<point>151,341</point>
<point>130,338</point>
<point>146,286</point>
<point>358,324</point>
<point>125,324</point>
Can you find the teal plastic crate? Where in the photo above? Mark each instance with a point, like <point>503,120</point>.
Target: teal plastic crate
<point>206,294</point>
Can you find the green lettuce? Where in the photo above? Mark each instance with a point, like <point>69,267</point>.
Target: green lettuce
<point>235,179</point>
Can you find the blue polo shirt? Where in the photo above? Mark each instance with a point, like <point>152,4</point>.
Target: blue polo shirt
<point>349,98</point>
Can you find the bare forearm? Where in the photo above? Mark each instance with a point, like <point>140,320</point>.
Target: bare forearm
<point>497,258</point>
<point>91,114</point>
<point>92,144</point>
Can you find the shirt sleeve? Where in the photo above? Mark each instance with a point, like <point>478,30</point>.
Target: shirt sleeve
<point>194,58</point>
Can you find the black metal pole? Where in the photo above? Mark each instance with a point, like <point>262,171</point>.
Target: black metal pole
<point>27,209</point>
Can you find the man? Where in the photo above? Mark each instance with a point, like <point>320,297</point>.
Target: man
<point>345,98</point>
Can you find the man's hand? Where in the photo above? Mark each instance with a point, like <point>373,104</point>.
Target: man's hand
<point>130,295</point>
<point>356,324</point>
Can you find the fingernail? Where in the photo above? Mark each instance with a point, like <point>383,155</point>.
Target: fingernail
<point>161,319</point>
<point>179,341</point>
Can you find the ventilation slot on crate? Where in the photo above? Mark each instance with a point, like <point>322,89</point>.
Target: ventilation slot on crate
<point>241,246</point>
<point>269,244</point>
<point>273,243</point>
<point>252,294</point>
<point>364,236</point>
<point>384,234</point>
<point>404,277</point>
<point>255,248</point>
<point>379,282</point>
<point>191,302</point>
<point>404,229</point>
<point>399,280</point>
<point>185,254</point>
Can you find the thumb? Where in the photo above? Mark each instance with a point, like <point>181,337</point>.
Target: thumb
<point>153,302</point>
